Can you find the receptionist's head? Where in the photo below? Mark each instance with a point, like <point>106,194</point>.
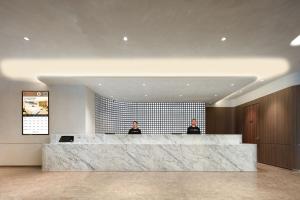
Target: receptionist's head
<point>135,124</point>
<point>194,122</point>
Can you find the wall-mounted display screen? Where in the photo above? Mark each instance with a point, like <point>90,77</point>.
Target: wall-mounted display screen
<point>35,112</point>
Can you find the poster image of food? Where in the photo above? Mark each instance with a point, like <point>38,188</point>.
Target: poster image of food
<point>35,103</point>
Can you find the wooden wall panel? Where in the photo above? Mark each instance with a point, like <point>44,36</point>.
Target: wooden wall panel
<point>210,120</point>
<point>276,155</point>
<point>277,127</point>
<point>297,134</point>
<point>220,120</point>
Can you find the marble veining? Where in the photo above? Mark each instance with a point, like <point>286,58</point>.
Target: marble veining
<point>150,153</point>
<point>148,157</point>
<point>153,139</point>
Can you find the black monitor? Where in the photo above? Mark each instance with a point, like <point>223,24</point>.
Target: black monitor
<point>66,139</point>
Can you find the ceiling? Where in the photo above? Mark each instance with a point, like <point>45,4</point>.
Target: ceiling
<point>159,89</point>
<point>93,29</point>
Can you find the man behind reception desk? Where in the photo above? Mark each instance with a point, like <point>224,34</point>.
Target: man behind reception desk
<point>135,129</point>
<point>193,129</point>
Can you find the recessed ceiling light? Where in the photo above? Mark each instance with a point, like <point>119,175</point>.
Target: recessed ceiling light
<point>100,84</point>
<point>125,38</point>
<point>26,38</point>
<point>144,84</point>
<point>180,95</point>
<point>216,95</point>
<point>187,84</point>
<point>232,84</point>
<point>111,96</point>
<point>223,39</point>
<point>146,95</point>
<point>296,41</point>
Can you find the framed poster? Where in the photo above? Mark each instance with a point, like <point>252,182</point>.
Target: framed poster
<point>35,112</point>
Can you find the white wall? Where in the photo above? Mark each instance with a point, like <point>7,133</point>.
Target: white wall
<point>67,109</point>
<point>71,111</point>
<point>15,148</point>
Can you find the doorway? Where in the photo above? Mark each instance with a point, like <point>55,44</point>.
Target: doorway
<point>250,133</point>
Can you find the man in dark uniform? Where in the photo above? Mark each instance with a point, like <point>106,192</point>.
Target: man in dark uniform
<point>193,129</point>
<point>135,129</point>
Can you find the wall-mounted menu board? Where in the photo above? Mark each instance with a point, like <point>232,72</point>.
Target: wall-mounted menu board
<point>35,113</point>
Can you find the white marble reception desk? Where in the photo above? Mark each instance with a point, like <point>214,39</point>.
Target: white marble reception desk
<point>150,153</point>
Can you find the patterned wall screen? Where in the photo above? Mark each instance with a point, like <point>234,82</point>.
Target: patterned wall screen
<point>154,118</point>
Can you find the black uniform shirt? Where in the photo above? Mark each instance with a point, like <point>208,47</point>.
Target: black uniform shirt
<point>135,131</point>
<point>193,130</point>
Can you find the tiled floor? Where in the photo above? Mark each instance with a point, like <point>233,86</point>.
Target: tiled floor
<point>268,183</point>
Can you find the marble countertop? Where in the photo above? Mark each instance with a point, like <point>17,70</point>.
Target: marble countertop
<point>152,139</point>
<point>150,153</point>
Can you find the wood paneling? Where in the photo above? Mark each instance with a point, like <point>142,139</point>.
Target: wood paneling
<point>220,120</point>
<point>276,155</point>
<point>277,126</point>
<point>297,135</point>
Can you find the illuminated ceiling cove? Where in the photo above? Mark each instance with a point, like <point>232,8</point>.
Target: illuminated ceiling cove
<point>258,70</point>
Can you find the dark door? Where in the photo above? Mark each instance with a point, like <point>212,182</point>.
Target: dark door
<point>250,134</point>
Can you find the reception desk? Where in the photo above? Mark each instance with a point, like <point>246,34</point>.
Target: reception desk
<point>150,153</point>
